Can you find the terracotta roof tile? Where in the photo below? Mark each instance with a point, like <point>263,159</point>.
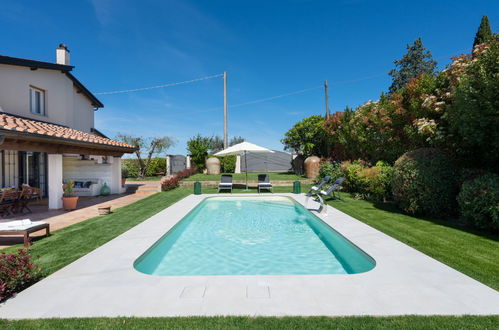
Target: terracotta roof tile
<point>14,123</point>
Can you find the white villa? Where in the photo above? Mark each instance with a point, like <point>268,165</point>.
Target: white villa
<point>47,133</point>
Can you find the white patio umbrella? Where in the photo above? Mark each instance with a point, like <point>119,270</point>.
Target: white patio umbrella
<point>243,148</point>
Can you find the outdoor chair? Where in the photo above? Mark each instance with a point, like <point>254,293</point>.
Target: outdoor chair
<point>264,182</point>
<point>317,188</point>
<point>28,194</point>
<point>225,183</point>
<point>8,199</point>
<point>330,192</point>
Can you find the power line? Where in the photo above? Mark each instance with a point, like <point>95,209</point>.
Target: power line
<point>160,86</point>
<point>275,97</point>
<point>250,102</point>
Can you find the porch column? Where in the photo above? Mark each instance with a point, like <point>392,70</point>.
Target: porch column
<point>55,181</point>
<point>115,183</point>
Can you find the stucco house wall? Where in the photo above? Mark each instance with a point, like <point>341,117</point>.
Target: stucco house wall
<point>63,104</point>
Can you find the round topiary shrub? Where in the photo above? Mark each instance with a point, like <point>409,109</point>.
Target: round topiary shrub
<point>425,182</point>
<point>479,201</point>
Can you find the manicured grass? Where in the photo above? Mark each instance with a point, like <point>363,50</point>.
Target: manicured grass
<point>242,176</point>
<point>68,244</point>
<point>469,251</point>
<point>366,322</point>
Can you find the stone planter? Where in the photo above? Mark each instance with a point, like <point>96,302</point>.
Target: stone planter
<point>123,180</point>
<point>213,165</point>
<point>69,203</point>
<point>312,167</point>
<point>104,210</point>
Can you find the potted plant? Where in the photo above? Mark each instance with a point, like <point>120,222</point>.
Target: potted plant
<point>68,200</point>
<point>124,175</point>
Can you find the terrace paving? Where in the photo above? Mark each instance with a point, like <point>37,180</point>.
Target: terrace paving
<point>87,208</point>
<point>104,283</point>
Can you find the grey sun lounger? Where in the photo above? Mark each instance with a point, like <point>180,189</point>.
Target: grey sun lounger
<point>225,183</point>
<point>331,190</point>
<point>317,188</point>
<point>264,182</point>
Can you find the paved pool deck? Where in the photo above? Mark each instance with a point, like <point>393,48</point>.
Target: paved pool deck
<point>104,283</point>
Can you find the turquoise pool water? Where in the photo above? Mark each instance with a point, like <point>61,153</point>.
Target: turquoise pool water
<point>269,235</point>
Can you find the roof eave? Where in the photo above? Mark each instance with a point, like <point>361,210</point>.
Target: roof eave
<point>62,140</point>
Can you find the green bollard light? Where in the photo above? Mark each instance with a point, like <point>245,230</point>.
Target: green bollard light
<point>197,188</point>
<point>297,187</point>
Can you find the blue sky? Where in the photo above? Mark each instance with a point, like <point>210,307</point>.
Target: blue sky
<point>268,48</point>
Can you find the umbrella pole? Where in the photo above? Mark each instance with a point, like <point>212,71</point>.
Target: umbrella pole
<point>246,167</point>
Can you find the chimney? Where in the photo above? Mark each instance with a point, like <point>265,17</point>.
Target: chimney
<point>62,55</point>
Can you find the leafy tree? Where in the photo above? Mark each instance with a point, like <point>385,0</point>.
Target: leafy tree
<point>236,140</point>
<point>418,60</point>
<point>198,147</point>
<point>484,32</point>
<point>216,144</point>
<point>473,120</point>
<point>150,146</point>
<point>307,137</point>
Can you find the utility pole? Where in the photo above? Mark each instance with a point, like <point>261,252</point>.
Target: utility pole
<point>327,99</point>
<point>226,142</point>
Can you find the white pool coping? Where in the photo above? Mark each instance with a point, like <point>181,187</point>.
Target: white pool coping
<point>104,283</point>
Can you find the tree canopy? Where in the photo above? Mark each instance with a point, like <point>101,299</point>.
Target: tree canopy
<point>484,32</point>
<point>418,60</point>
<point>150,146</point>
<point>307,137</point>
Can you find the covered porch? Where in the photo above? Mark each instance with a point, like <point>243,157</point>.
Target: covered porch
<point>45,156</point>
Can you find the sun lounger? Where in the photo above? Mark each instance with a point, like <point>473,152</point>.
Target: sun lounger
<point>331,190</point>
<point>317,188</point>
<point>225,183</point>
<point>264,182</point>
<point>23,227</point>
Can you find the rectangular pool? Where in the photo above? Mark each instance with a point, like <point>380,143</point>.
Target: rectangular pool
<point>271,235</point>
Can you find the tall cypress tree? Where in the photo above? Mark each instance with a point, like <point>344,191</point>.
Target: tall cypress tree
<point>416,61</point>
<point>484,32</point>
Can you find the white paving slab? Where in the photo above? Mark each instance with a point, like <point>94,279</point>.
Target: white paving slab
<point>104,283</point>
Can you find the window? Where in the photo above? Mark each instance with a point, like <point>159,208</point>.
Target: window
<point>37,101</point>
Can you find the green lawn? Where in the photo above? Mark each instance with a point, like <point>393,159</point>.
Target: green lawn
<point>472,252</point>
<point>309,323</point>
<point>68,244</point>
<point>242,176</point>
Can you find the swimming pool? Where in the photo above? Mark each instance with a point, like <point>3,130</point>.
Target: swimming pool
<point>271,235</point>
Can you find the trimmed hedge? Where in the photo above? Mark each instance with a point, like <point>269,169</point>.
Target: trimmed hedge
<point>157,165</point>
<point>479,201</point>
<point>366,182</point>
<point>228,163</point>
<point>425,182</point>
